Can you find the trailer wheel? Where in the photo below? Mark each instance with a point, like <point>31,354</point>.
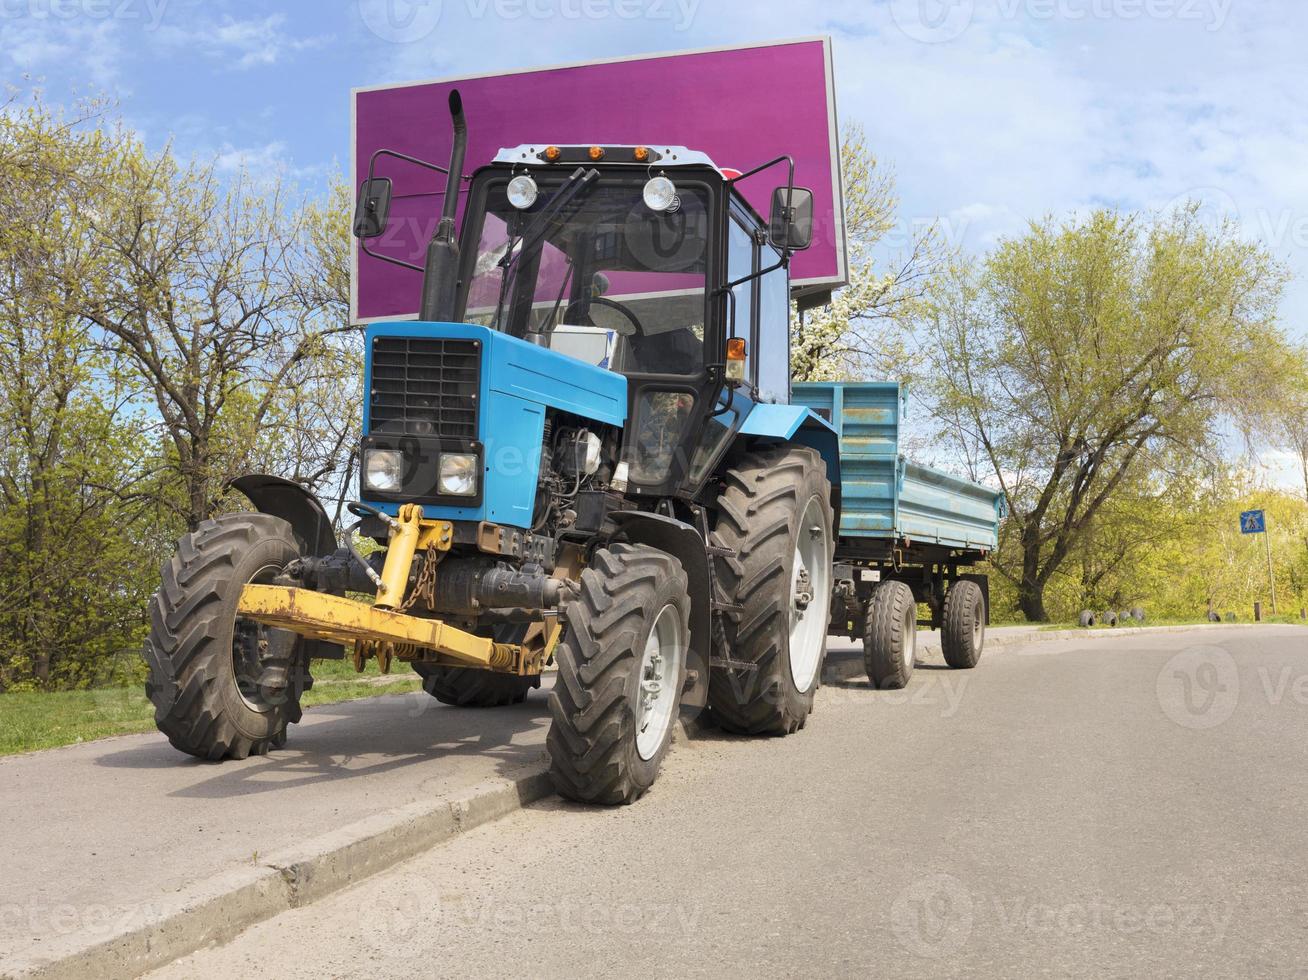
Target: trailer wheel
<point>963,631</point>
<point>622,668</point>
<point>471,687</point>
<point>223,686</point>
<point>890,643</point>
<point>775,516</point>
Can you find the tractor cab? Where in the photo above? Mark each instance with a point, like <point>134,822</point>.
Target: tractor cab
<point>645,261</point>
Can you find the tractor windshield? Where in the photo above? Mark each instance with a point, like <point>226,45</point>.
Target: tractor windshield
<point>610,281</point>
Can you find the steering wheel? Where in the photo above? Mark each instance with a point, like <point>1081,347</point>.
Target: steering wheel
<point>635,327</point>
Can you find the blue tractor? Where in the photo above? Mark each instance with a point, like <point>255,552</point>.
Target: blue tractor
<point>582,454</point>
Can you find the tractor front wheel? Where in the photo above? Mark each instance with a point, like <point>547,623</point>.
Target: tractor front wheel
<point>622,667</point>
<point>223,686</point>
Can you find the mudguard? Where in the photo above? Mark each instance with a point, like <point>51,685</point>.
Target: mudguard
<point>684,543</point>
<point>801,425</point>
<point>309,523</point>
<point>293,504</point>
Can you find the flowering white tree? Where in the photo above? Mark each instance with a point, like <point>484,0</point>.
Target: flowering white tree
<point>866,330</point>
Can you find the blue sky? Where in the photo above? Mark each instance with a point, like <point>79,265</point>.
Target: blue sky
<point>991,111</point>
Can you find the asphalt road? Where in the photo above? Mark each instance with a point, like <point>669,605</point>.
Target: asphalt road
<point>1108,806</point>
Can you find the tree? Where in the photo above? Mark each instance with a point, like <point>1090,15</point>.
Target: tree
<point>225,298</point>
<point>74,489</point>
<point>160,332</point>
<point>1085,352</point>
<point>1291,413</point>
<point>865,329</point>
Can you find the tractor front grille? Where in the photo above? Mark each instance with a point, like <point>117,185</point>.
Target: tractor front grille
<point>425,386</point>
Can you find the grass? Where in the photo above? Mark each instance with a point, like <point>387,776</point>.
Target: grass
<point>31,721</point>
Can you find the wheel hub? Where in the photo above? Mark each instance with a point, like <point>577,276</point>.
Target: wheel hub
<point>651,685</point>
<point>810,589</point>
<point>660,666</point>
<point>803,592</point>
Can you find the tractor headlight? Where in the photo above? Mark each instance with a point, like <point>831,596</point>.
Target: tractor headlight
<point>458,474</point>
<point>383,469</point>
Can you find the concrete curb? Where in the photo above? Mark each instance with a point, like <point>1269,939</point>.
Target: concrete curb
<point>217,909</point>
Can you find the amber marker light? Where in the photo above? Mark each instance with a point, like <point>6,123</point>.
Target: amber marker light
<point>736,358</point>
<point>641,153</point>
<point>597,153</point>
<point>552,153</point>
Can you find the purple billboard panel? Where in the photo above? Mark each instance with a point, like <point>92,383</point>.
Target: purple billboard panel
<point>740,106</point>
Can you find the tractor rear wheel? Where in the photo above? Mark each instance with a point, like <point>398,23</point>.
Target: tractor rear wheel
<point>890,643</point>
<point>471,687</point>
<point>775,517</point>
<point>223,686</point>
<point>622,668</point>
<point>963,631</point>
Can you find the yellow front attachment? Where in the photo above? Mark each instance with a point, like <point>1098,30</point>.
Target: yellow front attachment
<point>341,620</point>
<point>409,532</point>
<point>385,629</point>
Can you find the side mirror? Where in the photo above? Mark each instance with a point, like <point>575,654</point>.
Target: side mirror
<point>790,226</point>
<point>373,208</point>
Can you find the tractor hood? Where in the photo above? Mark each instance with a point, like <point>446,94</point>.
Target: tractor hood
<point>459,390</point>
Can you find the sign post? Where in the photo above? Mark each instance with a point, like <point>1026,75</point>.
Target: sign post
<point>1255,522</point>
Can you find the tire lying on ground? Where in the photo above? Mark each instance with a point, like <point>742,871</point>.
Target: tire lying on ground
<point>622,667</point>
<point>466,687</point>
<point>1109,618</point>
<point>1087,618</point>
<point>1138,614</point>
<point>1214,618</point>
<point>890,637</point>
<point>774,514</point>
<point>963,626</point>
<point>1124,618</point>
<point>223,686</point>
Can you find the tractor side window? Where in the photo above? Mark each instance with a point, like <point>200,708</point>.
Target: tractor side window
<point>772,346</point>
<point>740,262</point>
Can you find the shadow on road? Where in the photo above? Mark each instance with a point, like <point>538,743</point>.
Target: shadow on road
<point>360,739</point>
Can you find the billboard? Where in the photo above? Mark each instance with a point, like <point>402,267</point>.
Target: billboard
<point>741,106</point>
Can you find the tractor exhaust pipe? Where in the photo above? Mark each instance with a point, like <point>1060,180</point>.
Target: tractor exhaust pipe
<point>440,276</point>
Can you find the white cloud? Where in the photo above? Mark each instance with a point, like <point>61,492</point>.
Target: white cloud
<point>38,47</point>
<point>252,159</point>
<point>241,44</point>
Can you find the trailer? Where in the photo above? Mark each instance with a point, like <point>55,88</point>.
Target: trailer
<point>907,534</point>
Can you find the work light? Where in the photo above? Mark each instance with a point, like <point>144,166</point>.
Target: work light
<point>661,194</point>
<point>522,192</point>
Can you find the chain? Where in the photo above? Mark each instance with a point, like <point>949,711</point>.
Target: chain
<point>425,587</point>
